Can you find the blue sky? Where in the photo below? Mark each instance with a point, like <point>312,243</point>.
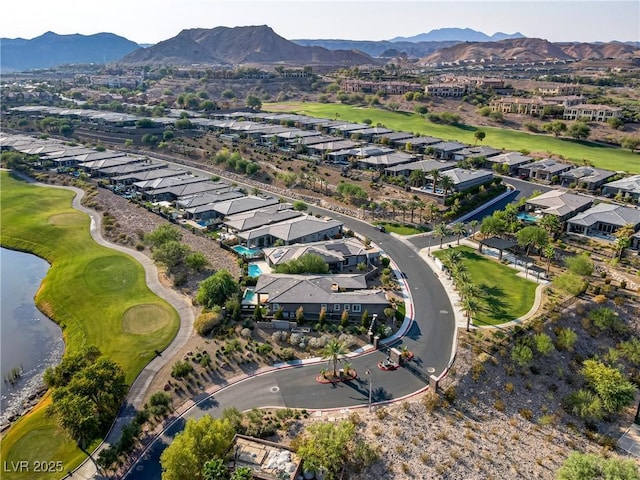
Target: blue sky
<point>146,21</point>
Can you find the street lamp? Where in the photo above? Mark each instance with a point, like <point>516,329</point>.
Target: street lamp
<point>367,372</point>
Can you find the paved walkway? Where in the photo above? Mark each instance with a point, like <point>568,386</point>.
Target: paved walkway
<point>630,441</point>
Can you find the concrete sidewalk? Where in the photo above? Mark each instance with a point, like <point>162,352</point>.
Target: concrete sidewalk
<point>630,441</point>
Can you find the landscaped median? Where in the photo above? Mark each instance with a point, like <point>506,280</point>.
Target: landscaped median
<point>97,295</point>
<point>504,296</point>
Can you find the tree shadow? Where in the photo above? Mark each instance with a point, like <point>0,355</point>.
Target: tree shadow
<point>206,402</point>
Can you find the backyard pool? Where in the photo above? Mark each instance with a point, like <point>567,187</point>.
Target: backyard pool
<point>246,252</point>
<point>254,270</point>
<point>249,297</point>
<point>528,218</point>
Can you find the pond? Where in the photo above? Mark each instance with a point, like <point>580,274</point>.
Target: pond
<point>29,341</point>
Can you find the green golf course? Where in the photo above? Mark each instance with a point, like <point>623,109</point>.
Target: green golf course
<point>97,295</point>
<point>599,155</point>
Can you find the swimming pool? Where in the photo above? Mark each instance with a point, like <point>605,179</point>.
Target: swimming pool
<point>249,297</point>
<point>246,252</point>
<point>254,270</point>
<point>527,218</point>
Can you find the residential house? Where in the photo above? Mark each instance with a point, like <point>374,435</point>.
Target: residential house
<point>520,105</point>
<point>464,179</point>
<point>332,293</point>
<point>446,150</point>
<point>546,170</point>
<point>416,144</point>
<point>339,254</point>
<point>95,167</point>
<point>592,113</point>
<point>628,187</point>
<point>560,203</point>
<point>241,222</point>
<point>155,184</point>
<point>128,178</point>
<point>381,162</point>
<point>242,204</point>
<point>475,152</point>
<point>604,220</point>
<point>512,161</point>
<point>392,137</point>
<point>367,134</point>
<point>324,149</point>
<point>447,89</point>
<point>141,165</point>
<point>426,166</point>
<point>303,229</point>
<point>560,89</point>
<point>344,156</point>
<point>588,178</point>
<point>180,190</point>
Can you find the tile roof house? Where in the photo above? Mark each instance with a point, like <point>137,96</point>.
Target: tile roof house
<point>603,220</point>
<point>258,218</point>
<point>342,156</point>
<point>475,152</point>
<point>544,170</point>
<point>380,162</point>
<point>464,179</point>
<point>512,160</point>
<point>446,150</point>
<point>562,204</point>
<point>302,229</point>
<point>335,293</point>
<point>628,187</point>
<point>426,166</point>
<point>130,177</point>
<point>418,144</point>
<point>243,204</point>
<point>589,178</point>
<point>338,254</point>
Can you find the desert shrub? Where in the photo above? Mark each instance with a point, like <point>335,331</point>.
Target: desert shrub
<point>207,322</point>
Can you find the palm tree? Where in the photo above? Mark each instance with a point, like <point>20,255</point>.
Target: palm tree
<point>412,208</point>
<point>435,175</point>
<point>334,351</point>
<point>383,206</point>
<point>441,230</point>
<point>395,203</point>
<point>468,289</point>
<point>459,229</point>
<point>549,252</point>
<point>473,224</point>
<point>417,178</point>
<point>420,206</point>
<point>551,224</point>
<point>403,207</point>
<point>446,183</point>
<point>347,365</point>
<point>471,306</point>
<point>434,211</point>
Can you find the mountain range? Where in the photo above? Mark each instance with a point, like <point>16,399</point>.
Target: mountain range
<point>531,49</point>
<point>260,45</point>
<point>50,49</point>
<point>457,35</point>
<point>240,45</point>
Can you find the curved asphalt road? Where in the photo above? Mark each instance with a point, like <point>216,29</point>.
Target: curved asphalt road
<point>430,338</point>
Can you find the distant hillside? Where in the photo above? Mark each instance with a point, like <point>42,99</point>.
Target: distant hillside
<point>240,45</point>
<point>377,48</point>
<point>530,49</point>
<point>457,35</point>
<point>51,49</point>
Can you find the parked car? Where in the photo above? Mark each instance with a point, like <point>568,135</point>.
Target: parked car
<point>381,228</point>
